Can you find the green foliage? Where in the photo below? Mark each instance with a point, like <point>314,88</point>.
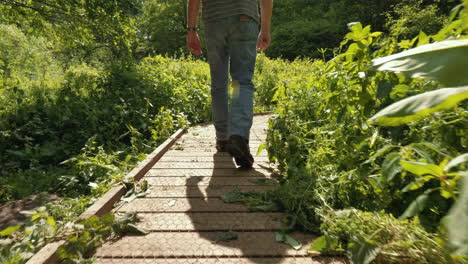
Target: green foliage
<point>379,237</point>
<point>443,61</point>
<point>77,25</point>
<point>332,159</point>
<point>17,247</point>
<point>416,107</point>
<point>226,236</point>
<point>300,28</point>
<point>456,219</point>
<point>112,116</point>
<point>77,112</point>
<point>88,234</point>
<point>287,239</point>
<point>408,18</point>
<point>162,28</point>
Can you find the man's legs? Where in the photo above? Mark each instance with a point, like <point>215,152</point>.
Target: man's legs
<point>242,49</point>
<point>218,59</point>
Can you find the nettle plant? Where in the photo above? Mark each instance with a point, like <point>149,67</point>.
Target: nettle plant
<point>444,61</point>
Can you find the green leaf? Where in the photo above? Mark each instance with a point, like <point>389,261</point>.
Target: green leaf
<point>456,161</point>
<point>418,183</point>
<point>129,198</point>
<point>10,230</point>
<point>380,152</point>
<point>135,230</point>
<point>454,12</point>
<point>416,206</point>
<point>319,244</point>
<point>262,181</point>
<point>434,148</point>
<point>226,236</point>
<point>456,222</point>
<point>362,251</point>
<point>419,148</point>
<point>234,196</point>
<point>279,237</point>
<point>267,206</point>
<point>51,222</point>
<point>292,242</point>
<point>423,38</point>
<point>391,166</point>
<point>261,147</point>
<point>287,239</point>
<point>419,106</point>
<point>399,91</point>
<point>383,89</point>
<point>422,169</point>
<point>445,62</point>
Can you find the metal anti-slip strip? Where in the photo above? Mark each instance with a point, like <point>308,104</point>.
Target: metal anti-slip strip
<point>211,257</point>
<point>214,230</point>
<point>198,212</point>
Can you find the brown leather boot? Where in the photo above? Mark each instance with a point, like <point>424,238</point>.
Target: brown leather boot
<point>238,147</point>
<point>221,145</point>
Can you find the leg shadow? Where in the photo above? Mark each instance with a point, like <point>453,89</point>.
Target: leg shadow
<point>214,217</point>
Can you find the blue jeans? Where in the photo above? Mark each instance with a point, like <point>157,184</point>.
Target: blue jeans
<point>231,44</point>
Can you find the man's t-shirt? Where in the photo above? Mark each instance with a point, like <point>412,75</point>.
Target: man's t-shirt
<point>215,9</point>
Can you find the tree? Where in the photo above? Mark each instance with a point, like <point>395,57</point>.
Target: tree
<point>83,25</point>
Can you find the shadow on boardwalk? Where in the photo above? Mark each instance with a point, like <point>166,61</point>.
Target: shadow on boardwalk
<point>233,248</point>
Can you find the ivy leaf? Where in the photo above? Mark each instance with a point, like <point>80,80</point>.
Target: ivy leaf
<point>445,62</point>
<point>419,106</point>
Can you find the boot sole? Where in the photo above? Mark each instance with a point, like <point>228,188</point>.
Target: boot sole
<point>242,159</point>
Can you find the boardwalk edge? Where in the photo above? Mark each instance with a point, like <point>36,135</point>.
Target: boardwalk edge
<point>48,254</point>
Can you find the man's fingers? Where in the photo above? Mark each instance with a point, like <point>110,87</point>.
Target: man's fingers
<point>263,41</point>
<point>262,44</point>
<point>195,48</point>
<point>193,44</point>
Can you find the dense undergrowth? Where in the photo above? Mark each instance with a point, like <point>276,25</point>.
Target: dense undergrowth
<point>347,179</point>
<point>75,128</point>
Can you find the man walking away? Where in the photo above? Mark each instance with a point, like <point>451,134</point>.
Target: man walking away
<point>232,37</point>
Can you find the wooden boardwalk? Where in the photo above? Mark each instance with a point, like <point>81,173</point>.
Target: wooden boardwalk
<point>185,216</point>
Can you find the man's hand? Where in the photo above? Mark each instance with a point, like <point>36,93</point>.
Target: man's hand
<point>193,42</point>
<point>264,39</point>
